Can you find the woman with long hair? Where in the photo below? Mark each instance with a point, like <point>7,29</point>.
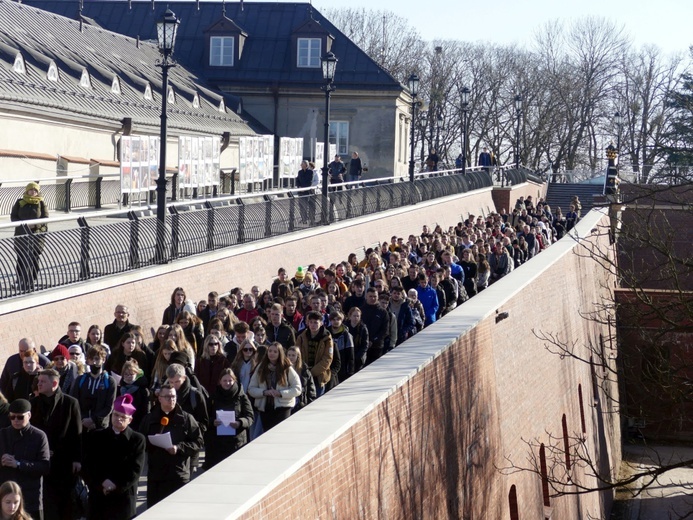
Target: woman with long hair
<point>95,337</point>
<point>275,385</point>
<point>193,330</point>
<point>12,502</point>
<point>212,362</point>
<point>228,396</point>
<point>308,393</point>
<point>483,270</point>
<point>178,304</point>
<point>127,349</point>
<point>162,362</point>
<point>177,334</point>
<point>159,338</point>
<point>359,334</point>
<point>245,362</point>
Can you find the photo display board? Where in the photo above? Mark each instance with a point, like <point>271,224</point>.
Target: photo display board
<point>256,158</point>
<point>290,156</point>
<point>139,163</point>
<point>198,161</point>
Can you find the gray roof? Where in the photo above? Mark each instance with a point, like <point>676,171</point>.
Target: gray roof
<point>42,37</point>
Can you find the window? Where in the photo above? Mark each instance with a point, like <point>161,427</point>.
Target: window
<point>196,101</point>
<point>339,135</point>
<point>582,410</point>
<point>85,80</point>
<point>171,97</point>
<point>309,53</point>
<point>544,476</point>
<point>148,92</point>
<point>53,72</point>
<point>115,86</point>
<point>512,503</point>
<point>19,66</point>
<point>566,442</point>
<point>221,51</point>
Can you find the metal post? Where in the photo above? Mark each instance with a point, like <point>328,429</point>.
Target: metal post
<point>464,140</point>
<point>325,196</point>
<point>161,181</point>
<point>413,120</point>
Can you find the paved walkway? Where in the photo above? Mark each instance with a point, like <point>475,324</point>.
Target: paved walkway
<point>668,498</point>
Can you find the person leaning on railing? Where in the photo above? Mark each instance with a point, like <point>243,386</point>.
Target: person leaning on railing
<point>29,246</point>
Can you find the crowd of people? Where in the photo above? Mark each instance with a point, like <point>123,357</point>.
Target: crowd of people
<point>80,419</point>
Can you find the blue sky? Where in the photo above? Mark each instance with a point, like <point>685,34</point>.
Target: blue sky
<point>665,23</point>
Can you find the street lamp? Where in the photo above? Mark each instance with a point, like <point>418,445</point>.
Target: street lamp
<point>329,65</point>
<point>413,84</point>
<point>518,112</point>
<point>618,119</point>
<point>464,93</point>
<point>439,126</point>
<point>166,35</point>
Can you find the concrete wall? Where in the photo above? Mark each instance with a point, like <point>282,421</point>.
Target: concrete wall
<point>439,427</point>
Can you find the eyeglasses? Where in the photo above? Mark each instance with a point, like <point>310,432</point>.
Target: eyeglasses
<point>248,349</point>
<point>58,358</point>
<point>74,354</point>
<point>214,343</point>
<point>17,417</point>
<point>168,397</point>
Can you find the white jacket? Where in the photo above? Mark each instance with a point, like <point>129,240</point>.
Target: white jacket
<point>289,392</point>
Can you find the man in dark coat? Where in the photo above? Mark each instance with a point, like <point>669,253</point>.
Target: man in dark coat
<point>169,468</point>
<point>120,326</point>
<point>25,456</point>
<point>377,320</point>
<point>355,168</point>
<point>57,415</point>
<point>113,462</point>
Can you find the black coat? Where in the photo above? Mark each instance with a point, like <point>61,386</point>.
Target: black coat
<point>29,447</point>
<point>140,399</point>
<point>120,459</point>
<point>377,321</point>
<point>112,334</point>
<point>59,418</point>
<point>218,447</point>
<point>185,435</point>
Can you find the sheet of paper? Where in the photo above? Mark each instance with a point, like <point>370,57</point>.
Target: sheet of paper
<point>161,440</point>
<point>226,418</point>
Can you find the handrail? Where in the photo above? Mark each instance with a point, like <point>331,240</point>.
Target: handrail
<point>59,178</point>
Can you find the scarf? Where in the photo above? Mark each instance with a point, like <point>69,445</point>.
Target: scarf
<point>27,199</point>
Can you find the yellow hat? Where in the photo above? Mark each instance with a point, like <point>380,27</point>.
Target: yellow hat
<point>32,186</point>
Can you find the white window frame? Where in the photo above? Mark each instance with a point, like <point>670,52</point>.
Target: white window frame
<point>339,132</point>
<point>307,56</point>
<point>223,59</point>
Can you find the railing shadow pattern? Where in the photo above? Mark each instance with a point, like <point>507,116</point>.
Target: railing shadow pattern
<point>88,252</point>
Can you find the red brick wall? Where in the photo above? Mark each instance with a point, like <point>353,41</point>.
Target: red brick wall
<point>443,444</point>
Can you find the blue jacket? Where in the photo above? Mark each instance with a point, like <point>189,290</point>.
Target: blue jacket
<point>429,299</point>
<point>456,272</point>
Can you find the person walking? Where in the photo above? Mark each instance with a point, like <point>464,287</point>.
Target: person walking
<point>355,168</point>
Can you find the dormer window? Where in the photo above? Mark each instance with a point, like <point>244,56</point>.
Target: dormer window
<point>171,96</point>
<point>115,86</point>
<point>196,101</point>
<point>148,92</point>
<point>19,66</point>
<point>221,51</point>
<point>222,106</point>
<point>53,72</point>
<point>309,52</point>
<point>85,80</point>
<point>239,110</point>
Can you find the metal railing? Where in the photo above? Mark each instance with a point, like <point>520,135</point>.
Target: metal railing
<point>57,258</point>
<point>66,193</point>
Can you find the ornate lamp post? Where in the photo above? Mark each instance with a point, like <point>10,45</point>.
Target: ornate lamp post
<point>618,120</point>
<point>611,180</point>
<point>329,65</point>
<point>518,113</point>
<point>464,94</point>
<point>413,84</point>
<point>166,35</point>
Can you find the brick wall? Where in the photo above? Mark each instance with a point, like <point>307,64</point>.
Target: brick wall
<point>439,427</point>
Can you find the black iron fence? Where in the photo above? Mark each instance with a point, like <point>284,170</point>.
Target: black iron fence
<point>92,251</point>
